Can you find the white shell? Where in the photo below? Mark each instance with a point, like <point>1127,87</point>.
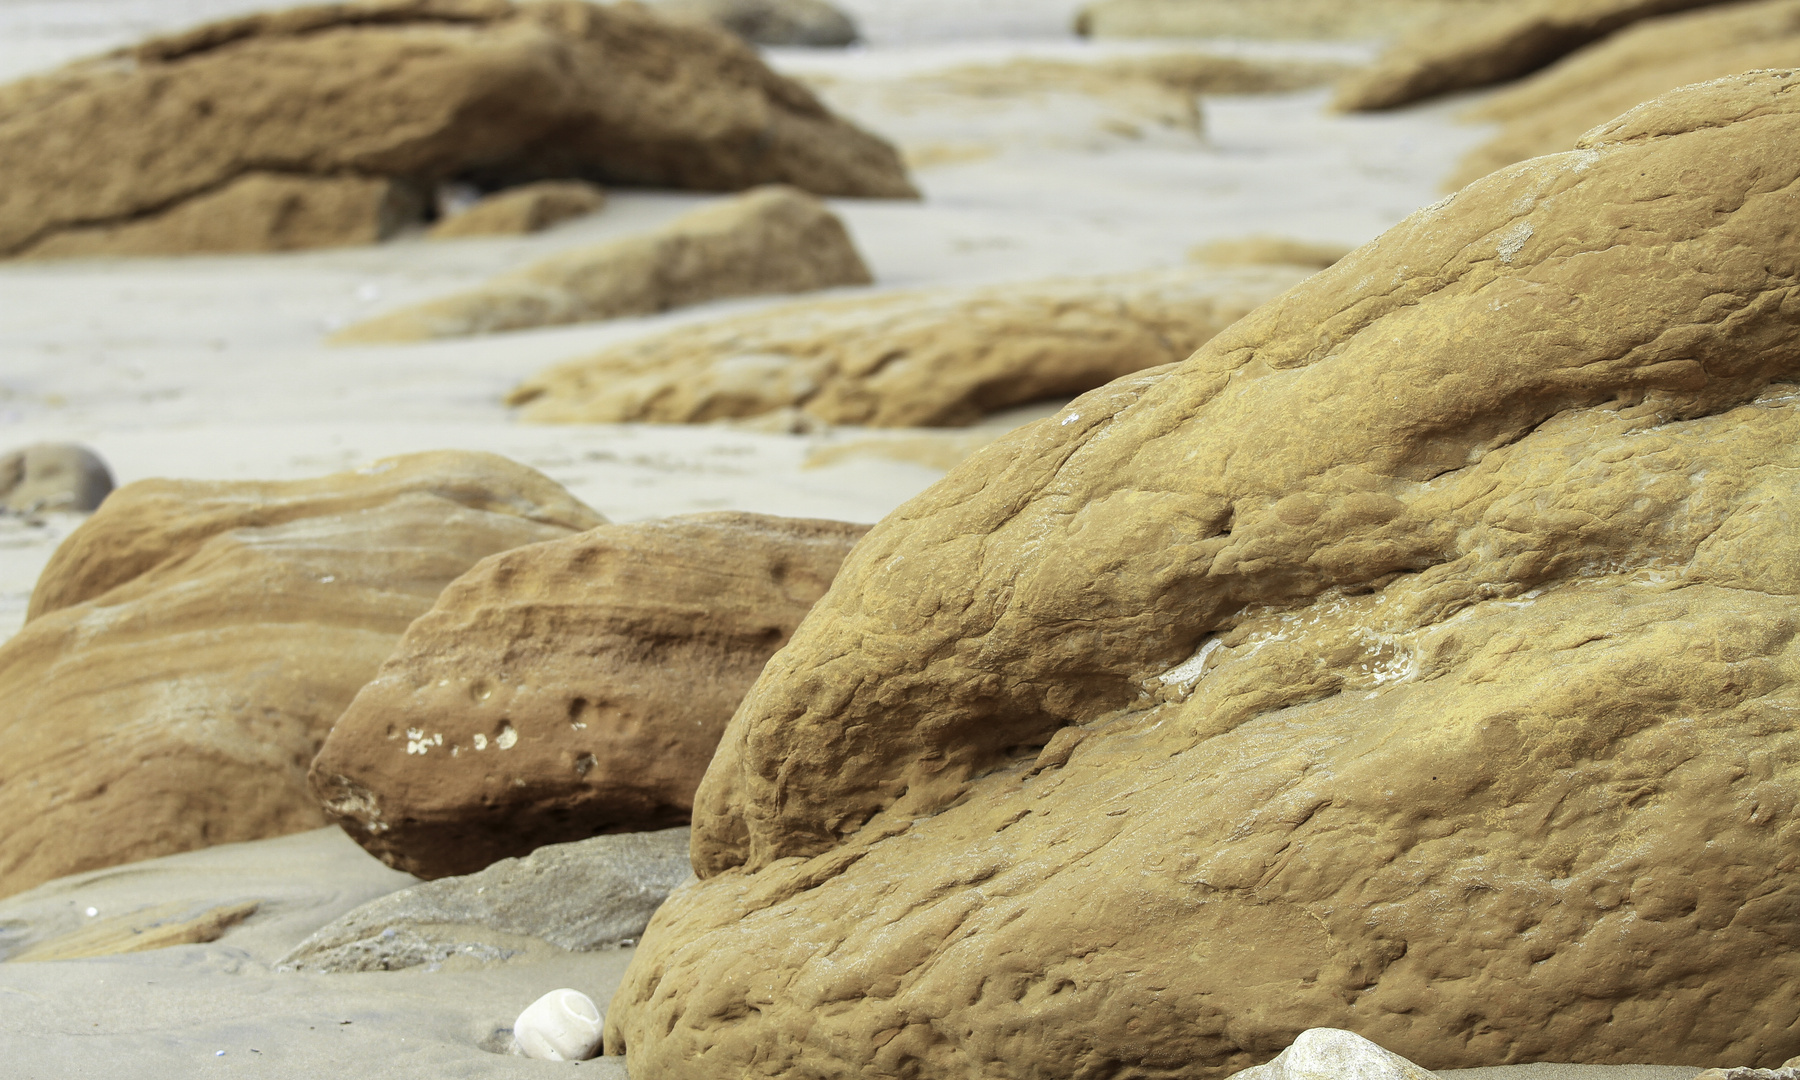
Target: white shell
<point>1335,1054</point>
<point>563,1025</point>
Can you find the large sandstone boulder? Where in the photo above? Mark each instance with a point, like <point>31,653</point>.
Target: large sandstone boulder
<point>1553,108</point>
<point>569,688</point>
<point>1501,42</point>
<point>190,644</point>
<point>1284,19</point>
<point>932,357</point>
<point>1420,658</point>
<point>324,110</point>
<point>772,22</point>
<point>772,240</point>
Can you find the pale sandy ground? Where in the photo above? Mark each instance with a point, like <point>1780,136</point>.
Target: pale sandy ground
<point>216,367</point>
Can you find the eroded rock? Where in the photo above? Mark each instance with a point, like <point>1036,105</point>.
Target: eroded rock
<point>1419,657</point>
<point>570,688</point>
<point>527,208</point>
<point>932,357</point>
<point>190,644</point>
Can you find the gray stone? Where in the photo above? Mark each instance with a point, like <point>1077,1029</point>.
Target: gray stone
<point>53,476</point>
<point>587,895</point>
<point>772,22</point>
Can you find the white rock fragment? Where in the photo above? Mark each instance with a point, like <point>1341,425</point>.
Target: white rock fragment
<point>1334,1054</point>
<point>563,1025</point>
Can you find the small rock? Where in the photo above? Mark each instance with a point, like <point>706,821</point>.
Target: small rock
<point>1268,251</point>
<point>1335,1054</point>
<point>53,476</point>
<point>526,209</point>
<point>772,22</point>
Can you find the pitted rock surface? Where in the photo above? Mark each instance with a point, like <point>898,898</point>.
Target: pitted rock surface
<point>1418,658</point>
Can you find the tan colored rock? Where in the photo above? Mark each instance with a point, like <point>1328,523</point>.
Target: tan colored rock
<point>771,240</point>
<point>160,926</point>
<point>420,91</point>
<point>772,22</point>
<point>190,644</point>
<point>932,357</point>
<point>1552,109</point>
<point>528,208</point>
<point>1283,19</point>
<point>1268,251</point>
<point>1502,42</point>
<point>254,212</point>
<point>53,476</point>
<point>1419,658</point>
<point>570,688</point>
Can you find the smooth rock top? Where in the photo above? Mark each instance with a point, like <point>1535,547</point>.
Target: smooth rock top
<point>53,476</point>
<point>1419,656</point>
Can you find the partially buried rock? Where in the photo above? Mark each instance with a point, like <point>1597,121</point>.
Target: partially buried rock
<point>1553,108</point>
<point>936,357</point>
<point>570,688</point>
<point>53,476</point>
<point>772,240</point>
<point>190,644</point>
<point>528,208</point>
<point>1335,1054</point>
<point>591,894</point>
<point>1268,250</point>
<point>1491,44</point>
<point>1420,657</point>
<point>772,22</point>
<point>326,125</point>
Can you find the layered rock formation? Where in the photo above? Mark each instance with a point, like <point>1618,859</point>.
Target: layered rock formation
<point>527,208</point>
<point>772,240</point>
<point>190,644</point>
<point>1419,657</point>
<point>772,22</point>
<point>569,688</point>
<point>293,128</point>
<point>1553,108</point>
<point>1501,42</point>
<point>938,357</point>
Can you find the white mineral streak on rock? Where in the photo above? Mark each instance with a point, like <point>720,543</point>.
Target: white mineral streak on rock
<point>563,1025</point>
<point>1335,1054</point>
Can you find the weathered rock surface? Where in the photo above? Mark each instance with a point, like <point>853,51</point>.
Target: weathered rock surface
<point>53,476</point>
<point>1502,42</point>
<point>1335,1054</point>
<point>937,357</point>
<point>1553,108</point>
<point>1419,657</point>
<point>320,110</point>
<point>190,644</point>
<point>591,894</point>
<point>527,208</point>
<point>1268,251</point>
<point>1284,19</point>
<point>772,22</point>
<point>772,240</point>
<point>570,688</point>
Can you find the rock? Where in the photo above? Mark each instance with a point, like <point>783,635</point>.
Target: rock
<point>1419,657</point>
<point>159,927</point>
<point>528,208</point>
<point>53,476</point>
<point>932,357</point>
<point>1502,42</point>
<point>1553,108</point>
<point>1268,251</point>
<point>190,644</point>
<point>591,894</point>
<point>1335,1054</point>
<point>771,240</point>
<point>329,111</point>
<point>1284,19</point>
<point>570,688</point>
<point>563,1025</point>
<point>772,22</point>
<point>254,212</point>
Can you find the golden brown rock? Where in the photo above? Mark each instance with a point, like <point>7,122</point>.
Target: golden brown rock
<point>527,208</point>
<point>1501,42</point>
<point>422,91</point>
<point>772,240</point>
<point>569,688</point>
<point>1553,108</point>
<point>1418,658</point>
<point>937,357</point>
<point>192,642</point>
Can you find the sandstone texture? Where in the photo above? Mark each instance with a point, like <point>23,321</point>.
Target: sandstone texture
<point>1284,19</point>
<point>933,357</point>
<point>1501,42</point>
<point>772,22</point>
<point>591,894</point>
<point>1418,658</point>
<point>311,126</point>
<point>1550,110</point>
<point>53,476</point>
<point>1268,250</point>
<point>570,688</point>
<point>190,644</point>
<point>775,239</point>
<point>527,208</point>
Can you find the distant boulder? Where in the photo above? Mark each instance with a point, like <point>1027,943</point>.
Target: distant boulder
<point>527,208</point>
<point>53,476</point>
<point>772,22</point>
